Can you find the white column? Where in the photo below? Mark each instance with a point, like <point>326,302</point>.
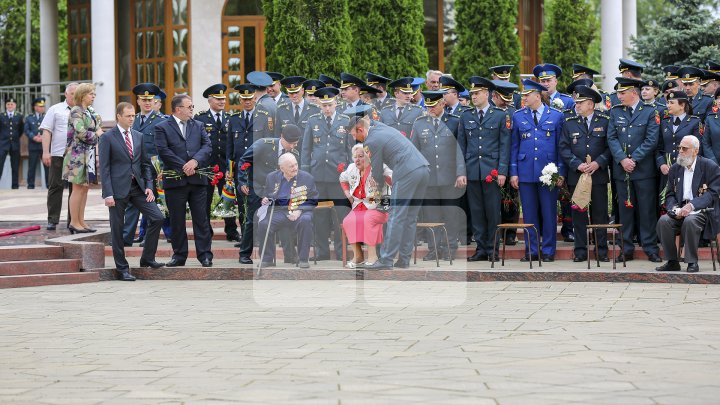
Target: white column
<point>49,64</point>
<point>629,24</point>
<point>205,44</point>
<point>611,44</point>
<point>102,17</point>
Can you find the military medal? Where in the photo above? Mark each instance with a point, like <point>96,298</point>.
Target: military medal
<point>507,122</point>
<point>657,117</point>
<point>702,129</point>
<point>270,123</point>
<point>608,104</point>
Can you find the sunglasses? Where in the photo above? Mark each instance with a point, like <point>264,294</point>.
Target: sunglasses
<point>683,148</point>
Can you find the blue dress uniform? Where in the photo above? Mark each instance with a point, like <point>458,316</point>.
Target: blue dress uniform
<point>711,134</point>
<point>11,128</point>
<point>701,103</point>
<point>436,139</point>
<point>533,147</point>
<point>635,135</point>
<point>217,124</point>
<point>546,71</point>
<point>407,113</point>
<point>146,126</point>
<point>325,147</point>
<point>32,129</point>
<point>582,137</point>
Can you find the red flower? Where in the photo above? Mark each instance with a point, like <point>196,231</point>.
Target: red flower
<point>488,179</point>
<point>219,175</point>
<point>494,172</point>
<point>341,167</point>
<point>403,134</point>
<point>245,166</point>
<point>214,182</point>
<point>216,168</point>
<point>628,204</point>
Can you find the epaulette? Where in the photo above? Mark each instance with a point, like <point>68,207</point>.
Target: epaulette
<point>494,107</point>
<point>284,105</point>
<point>343,115</point>
<point>553,108</point>
<point>694,116</point>
<point>388,106</point>
<point>257,110</point>
<point>602,115</point>
<point>567,110</point>
<point>201,112</point>
<point>453,115</point>
<point>232,112</point>
<point>315,115</point>
<point>618,105</point>
<point>269,140</point>
<point>570,117</point>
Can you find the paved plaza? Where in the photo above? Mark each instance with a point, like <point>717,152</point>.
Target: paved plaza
<point>360,342</point>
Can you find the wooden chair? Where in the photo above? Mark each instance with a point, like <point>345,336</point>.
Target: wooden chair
<point>526,230</point>
<point>614,229</point>
<point>431,226</point>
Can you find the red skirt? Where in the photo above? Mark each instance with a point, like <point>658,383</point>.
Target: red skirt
<point>363,225</point>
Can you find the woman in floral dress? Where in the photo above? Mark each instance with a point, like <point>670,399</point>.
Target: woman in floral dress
<point>84,129</point>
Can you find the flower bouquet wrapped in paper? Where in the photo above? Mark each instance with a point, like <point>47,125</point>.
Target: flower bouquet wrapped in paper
<point>226,207</point>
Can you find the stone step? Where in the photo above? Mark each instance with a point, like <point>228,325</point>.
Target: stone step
<point>36,280</point>
<point>30,252</point>
<point>27,267</point>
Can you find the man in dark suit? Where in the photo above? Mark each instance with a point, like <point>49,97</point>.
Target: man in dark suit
<point>693,184</point>
<point>11,127</point>
<point>34,134</point>
<point>294,194</point>
<point>411,173</point>
<point>184,147</point>
<point>126,178</point>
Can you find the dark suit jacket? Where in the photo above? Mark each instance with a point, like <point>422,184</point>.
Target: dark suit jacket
<point>10,131</point>
<point>304,179</point>
<point>175,151</point>
<point>116,167</point>
<point>32,128</point>
<point>707,173</point>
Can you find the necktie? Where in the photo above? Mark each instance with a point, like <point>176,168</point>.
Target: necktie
<point>247,120</point>
<point>585,121</point>
<point>217,119</point>
<point>448,109</point>
<point>632,111</point>
<point>128,143</point>
<point>297,113</point>
<point>677,121</point>
<point>436,123</point>
<point>329,121</point>
<point>142,120</point>
<point>535,117</point>
<point>399,112</point>
<point>182,129</point>
<point>481,114</point>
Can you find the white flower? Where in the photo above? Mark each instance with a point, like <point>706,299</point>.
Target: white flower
<point>550,169</point>
<point>557,103</point>
<point>546,179</point>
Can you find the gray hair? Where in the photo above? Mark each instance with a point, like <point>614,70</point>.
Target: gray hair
<point>432,72</point>
<point>286,158</point>
<point>356,147</point>
<point>694,141</point>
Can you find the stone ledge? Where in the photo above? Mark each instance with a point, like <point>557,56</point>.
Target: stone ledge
<point>89,248</point>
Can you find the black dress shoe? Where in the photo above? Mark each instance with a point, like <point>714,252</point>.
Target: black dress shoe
<point>127,244</point>
<point>478,257</point>
<point>671,265</point>
<point>151,263</point>
<point>578,259</point>
<point>31,187</point>
<point>548,258</point>
<point>624,257</point>
<point>604,259</point>
<point>233,238</point>
<point>320,258</point>
<point>693,268</point>
<point>126,276</point>
<point>569,238</point>
<point>175,263</point>
<point>511,241</point>
<point>431,256</point>
<point>527,258</point>
<point>138,240</point>
<point>237,244</point>
<point>400,264</point>
<point>653,257</point>
<point>378,265</point>
<point>206,263</point>
<point>246,260</point>
<point>494,258</point>
<point>290,259</point>
<point>51,226</point>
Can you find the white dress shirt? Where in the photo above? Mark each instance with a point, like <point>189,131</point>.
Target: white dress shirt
<point>687,182</point>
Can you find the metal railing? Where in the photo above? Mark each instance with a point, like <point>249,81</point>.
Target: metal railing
<point>24,94</point>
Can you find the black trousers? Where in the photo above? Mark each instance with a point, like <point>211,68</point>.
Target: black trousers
<point>177,199</point>
<point>33,161</point>
<point>598,214</point>
<point>486,216</point>
<point>248,206</point>
<point>14,164</point>
<point>440,205</point>
<point>55,190</point>
<point>117,220</point>
<point>324,220</point>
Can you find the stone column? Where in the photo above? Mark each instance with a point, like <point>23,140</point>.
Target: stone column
<point>102,17</point>
<point>611,44</point>
<point>49,64</point>
<point>629,24</point>
<point>205,43</point>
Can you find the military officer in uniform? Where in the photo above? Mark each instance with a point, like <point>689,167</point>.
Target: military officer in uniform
<point>435,136</point>
<point>158,103</point>
<point>711,131</point>
<point>380,83</point>
<point>216,123</point>
<point>402,114</point>
<point>263,100</point>
<point>671,73</point>
<point>585,135</point>
<point>310,86</point>
<point>275,89</point>
<point>484,138</point>
<point>296,110</point>
<point>259,160</point>
<point>502,73</point>
<point>11,128</point>
<point>350,90</point>
<point>536,131</point>
<point>633,137</point>
<point>452,89</point>
<point>690,77</point>
<point>34,134</point>
<point>326,149</point>
<point>713,78</point>
<point>628,69</point>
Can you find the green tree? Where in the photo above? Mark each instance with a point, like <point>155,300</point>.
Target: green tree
<point>485,37</point>
<point>569,30</point>
<point>681,36</point>
<point>308,37</point>
<point>387,37</point>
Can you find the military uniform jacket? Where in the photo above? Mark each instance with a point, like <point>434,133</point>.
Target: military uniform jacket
<point>578,141</point>
<point>440,148</point>
<point>485,144</point>
<point>323,148</point>
<point>147,129</point>
<point>534,146</point>
<point>304,185</point>
<point>568,102</point>
<point>404,124</point>
<point>711,135</point>
<point>705,189</point>
<point>32,128</point>
<point>701,105</point>
<point>669,141</point>
<point>286,115</point>
<point>217,134</point>
<point>634,136</point>
<point>388,101</point>
<point>386,145</point>
<point>268,104</point>
<point>10,131</point>
<point>241,136</point>
<point>263,157</point>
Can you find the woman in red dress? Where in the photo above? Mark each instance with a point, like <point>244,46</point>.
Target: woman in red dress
<point>364,224</point>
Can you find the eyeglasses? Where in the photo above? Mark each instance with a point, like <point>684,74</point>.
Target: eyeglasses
<point>189,107</point>
<point>683,148</point>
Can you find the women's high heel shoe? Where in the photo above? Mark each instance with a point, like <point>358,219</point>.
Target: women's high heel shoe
<point>91,230</point>
<point>74,230</point>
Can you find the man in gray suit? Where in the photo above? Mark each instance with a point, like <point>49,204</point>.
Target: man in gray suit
<point>411,173</point>
<point>126,178</point>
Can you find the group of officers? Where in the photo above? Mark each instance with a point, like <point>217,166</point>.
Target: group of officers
<point>14,125</point>
<point>485,142</point>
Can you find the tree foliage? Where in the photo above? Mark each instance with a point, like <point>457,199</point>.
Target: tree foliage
<point>680,36</point>
<point>307,37</point>
<point>569,30</point>
<point>486,36</point>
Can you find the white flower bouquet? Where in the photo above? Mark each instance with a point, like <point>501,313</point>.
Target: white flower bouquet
<point>557,103</point>
<point>549,175</point>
